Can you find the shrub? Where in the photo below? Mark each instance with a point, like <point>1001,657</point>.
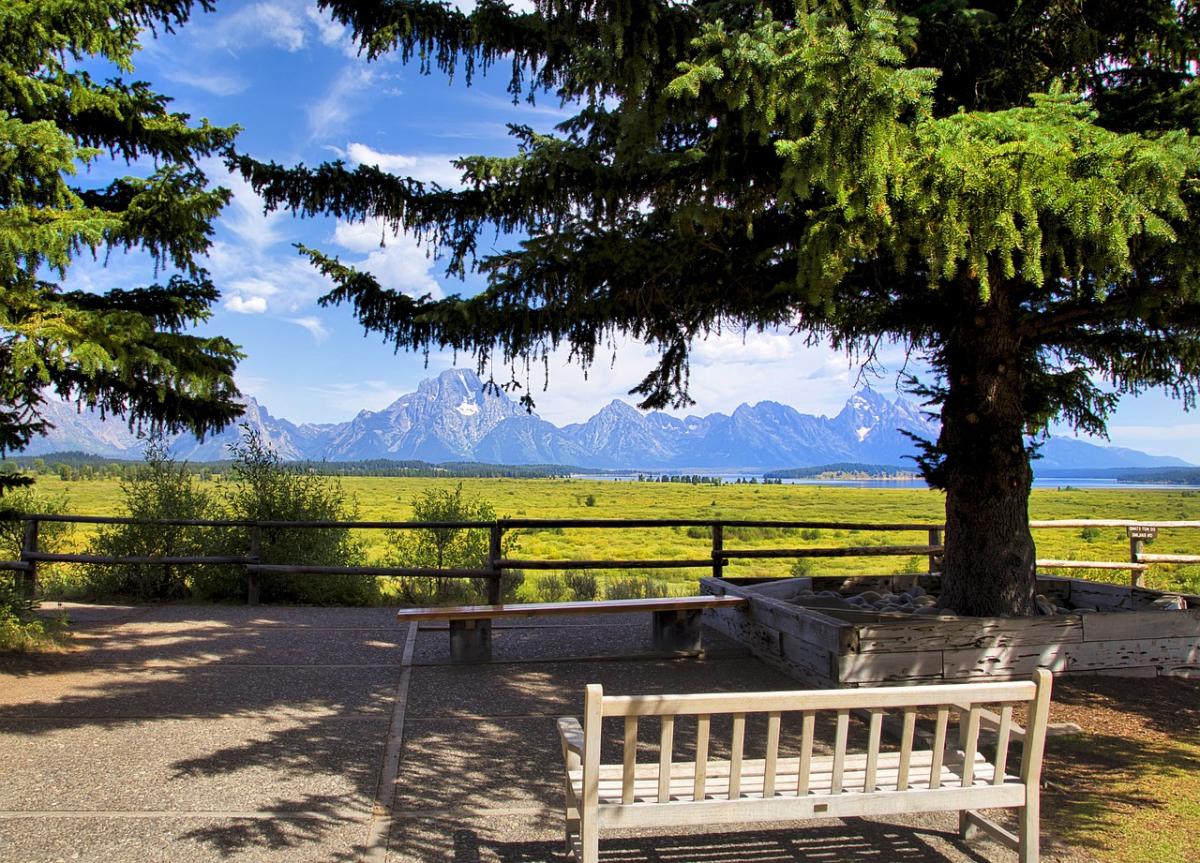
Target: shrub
<point>636,587</point>
<point>1089,534</point>
<point>53,536</point>
<point>449,548</point>
<point>810,533</point>
<point>590,500</point>
<point>160,489</point>
<point>582,585</point>
<point>551,588</point>
<point>696,532</point>
<point>260,487</point>
<point>802,567</point>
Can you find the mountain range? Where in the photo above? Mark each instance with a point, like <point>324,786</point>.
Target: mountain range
<point>454,417</point>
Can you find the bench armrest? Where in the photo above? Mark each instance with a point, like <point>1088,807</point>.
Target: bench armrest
<point>571,734</point>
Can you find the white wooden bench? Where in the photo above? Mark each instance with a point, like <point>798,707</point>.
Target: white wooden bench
<point>675,621</point>
<point>881,780</point>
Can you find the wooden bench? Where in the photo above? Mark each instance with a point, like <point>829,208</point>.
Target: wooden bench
<point>806,783</point>
<point>675,620</point>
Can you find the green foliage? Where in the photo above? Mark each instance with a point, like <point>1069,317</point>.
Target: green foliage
<point>449,547</point>
<point>261,487</point>
<point>1089,534</point>
<point>582,585</point>
<point>126,351</point>
<point>590,500</point>
<point>162,489</point>
<point>552,588</point>
<point>802,566</point>
<point>53,536</point>
<point>636,587</point>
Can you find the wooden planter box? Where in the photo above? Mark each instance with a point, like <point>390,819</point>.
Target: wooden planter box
<point>821,647</point>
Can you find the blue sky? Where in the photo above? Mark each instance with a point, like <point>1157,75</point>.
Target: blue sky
<point>292,80</point>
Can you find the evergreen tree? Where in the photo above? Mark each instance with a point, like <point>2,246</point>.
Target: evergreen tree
<point>126,351</point>
<point>861,173</point>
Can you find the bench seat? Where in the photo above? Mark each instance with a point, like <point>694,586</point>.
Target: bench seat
<point>682,786</point>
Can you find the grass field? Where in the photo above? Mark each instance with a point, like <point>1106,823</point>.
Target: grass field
<point>391,498</point>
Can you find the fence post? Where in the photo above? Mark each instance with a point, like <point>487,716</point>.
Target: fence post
<point>935,538</point>
<point>496,533</point>
<point>1137,577</point>
<point>253,577</point>
<point>29,546</point>
<point>718,546</point>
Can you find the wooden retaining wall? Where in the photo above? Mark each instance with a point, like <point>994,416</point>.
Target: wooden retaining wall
<point>820,648</point>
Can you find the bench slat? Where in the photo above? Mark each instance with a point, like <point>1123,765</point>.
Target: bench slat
<point>773,721</point>
<point>630,765</point>
<point>736,745</point>
<point>1002,735</point>
<point>939,745</point>
<point>873,737</point>
<point>906,747</point>
<point>804,771</point>
<point>666,744</point>
<point>700,774</point>
<point>540,609</point>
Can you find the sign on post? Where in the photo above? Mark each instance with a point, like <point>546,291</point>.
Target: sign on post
<point>1141,531</point>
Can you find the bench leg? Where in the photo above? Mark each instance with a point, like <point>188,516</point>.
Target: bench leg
<point>470,640</point>
<point>1028,829</point>
<point>677,631</point>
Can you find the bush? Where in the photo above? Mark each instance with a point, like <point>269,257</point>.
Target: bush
<point>590,500</point>
<point>160,489</point>
<point>1089,534</point>
<point>802,567</point>
<point>582,585</point>
<point>260,487</point>
<point>551,588</point>
<point>53,536</point>
<point>810,533</point>
<point>449,548</point>
<point>636,587</point>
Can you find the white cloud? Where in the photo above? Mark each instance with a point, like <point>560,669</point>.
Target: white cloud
<point>395,259</point>
<point>314,326</point>
<point>432,167</point>
<point>350,398</point>
<point>752,347</point>
<point>276,24</point>
<point>246,305</point>
<point>254,287</point>
<point>345,97</point>
<point>215,83</point>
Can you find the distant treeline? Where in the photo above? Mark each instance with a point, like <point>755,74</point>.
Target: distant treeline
<point>76,466</point>
<point>852,470</point>
<point>1165,475</point>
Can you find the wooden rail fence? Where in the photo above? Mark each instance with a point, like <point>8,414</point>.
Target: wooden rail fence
<point>27,565</point>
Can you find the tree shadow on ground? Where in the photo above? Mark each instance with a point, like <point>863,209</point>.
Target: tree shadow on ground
<point>848,842</point>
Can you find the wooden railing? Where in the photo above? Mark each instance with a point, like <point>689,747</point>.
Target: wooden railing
<point>720,556</point>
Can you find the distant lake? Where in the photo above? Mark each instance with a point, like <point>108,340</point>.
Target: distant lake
<point>1044,482</point>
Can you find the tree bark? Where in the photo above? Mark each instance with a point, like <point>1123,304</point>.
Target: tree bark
<point>989,557</point>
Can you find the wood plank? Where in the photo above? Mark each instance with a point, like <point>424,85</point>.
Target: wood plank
<point>700,773</point>
<point>666,745</point>
<point>881,667</point>
<point>839,751</point>
<point>804,765</point>
<point>1139,624</point>
<point>772,754</point>
<point>782,808</point>
<point>1022,660</point>
<point>906,748</point>
<point>629,764</point>
<point>1003,736</point>
<point>818,699</point>
<point>736,745</point>
<point>969,743</point>
<point>873,739</point>
<point>820,630</point>
<point>962,633</point>
<point>939,746</point>
<point>542,609</point>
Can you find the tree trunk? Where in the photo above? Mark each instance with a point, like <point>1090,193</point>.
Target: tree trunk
<point>989,559</point>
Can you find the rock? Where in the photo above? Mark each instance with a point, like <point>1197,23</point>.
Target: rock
<point>927,611</point>
<point>871,595</point>
<point>923,601</point>
<point>1086,608</point>
<point>915,591</point>
<point>1061,610</point>
<point>1168,603</point>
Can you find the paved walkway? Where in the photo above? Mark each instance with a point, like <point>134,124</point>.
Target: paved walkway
<point>209,733</point>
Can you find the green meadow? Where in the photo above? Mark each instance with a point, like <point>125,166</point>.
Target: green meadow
<point>391,498</point>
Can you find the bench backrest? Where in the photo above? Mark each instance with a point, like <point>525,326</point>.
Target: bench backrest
<point>970,702</point>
